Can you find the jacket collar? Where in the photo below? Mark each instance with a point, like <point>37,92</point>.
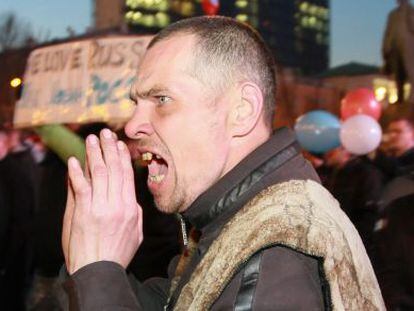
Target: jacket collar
<point>218,199</point>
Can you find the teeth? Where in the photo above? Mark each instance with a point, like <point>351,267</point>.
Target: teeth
<point>156,178</point>
<point>157,157</point>
<point>147,156</point>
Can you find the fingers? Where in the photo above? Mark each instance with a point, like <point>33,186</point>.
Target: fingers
<point>128,189</point>
<point>112,162</point>
<point>81,187</point>
<point>87,172</point>
<point>98,170</point>
<point>67,221</point>
<point>112,175</point>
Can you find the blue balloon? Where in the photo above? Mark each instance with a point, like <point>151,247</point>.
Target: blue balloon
<point>318,131</point>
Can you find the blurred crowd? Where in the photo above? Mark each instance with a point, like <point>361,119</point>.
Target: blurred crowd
<point>376,191</point>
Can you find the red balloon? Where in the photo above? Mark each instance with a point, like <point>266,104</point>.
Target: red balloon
<point>210,7</point>
<point>360,101</point>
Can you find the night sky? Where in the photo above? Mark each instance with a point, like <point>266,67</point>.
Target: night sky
<point>356,25</point>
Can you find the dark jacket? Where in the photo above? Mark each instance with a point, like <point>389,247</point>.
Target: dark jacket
<point>16,251</point>
<point>358,186</point>
<point>395,254</point>
<point>50,207</point>
<point>280,279</point>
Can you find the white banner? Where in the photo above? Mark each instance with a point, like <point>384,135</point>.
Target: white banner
<point>80,81</point>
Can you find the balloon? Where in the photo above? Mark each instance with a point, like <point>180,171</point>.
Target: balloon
<point>360,101</point>
<point>360,134</point>
<point>318,131</point>
<point>210,7</point>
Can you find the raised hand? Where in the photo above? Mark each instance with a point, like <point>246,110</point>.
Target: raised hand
<point>103,220</point>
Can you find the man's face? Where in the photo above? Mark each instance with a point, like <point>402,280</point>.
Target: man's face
<point>400,137</point>
<point>180,125</point>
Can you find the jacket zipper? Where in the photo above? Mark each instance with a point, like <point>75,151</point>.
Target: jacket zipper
<point>183,230</point>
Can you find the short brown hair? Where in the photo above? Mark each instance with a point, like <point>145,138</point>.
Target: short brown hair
<point>233,50</point>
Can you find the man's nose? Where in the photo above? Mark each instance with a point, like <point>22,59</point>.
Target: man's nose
<point>140,124</point>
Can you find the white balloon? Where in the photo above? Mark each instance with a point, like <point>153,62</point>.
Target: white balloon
<point>360,134</point>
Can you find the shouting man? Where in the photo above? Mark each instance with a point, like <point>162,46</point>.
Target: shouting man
<point>270,237</point>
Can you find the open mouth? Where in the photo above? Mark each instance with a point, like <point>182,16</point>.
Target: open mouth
<point>157,167</point>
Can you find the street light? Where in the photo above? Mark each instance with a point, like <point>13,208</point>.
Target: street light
<point>15,82</point>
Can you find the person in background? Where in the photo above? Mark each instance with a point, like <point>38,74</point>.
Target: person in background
<point>394,234</point>
<point>397,162</point>
<point>318,163</point>
<point>400,133</point>
<point>17,249</point>
<point>394,254</point>
<point>357,184</point>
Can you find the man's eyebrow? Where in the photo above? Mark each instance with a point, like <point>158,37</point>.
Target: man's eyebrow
<point>156,89</point>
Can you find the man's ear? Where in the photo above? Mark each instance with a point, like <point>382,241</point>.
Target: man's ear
<point>247,109</point>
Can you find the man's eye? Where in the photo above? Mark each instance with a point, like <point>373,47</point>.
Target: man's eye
<point>163,99</point>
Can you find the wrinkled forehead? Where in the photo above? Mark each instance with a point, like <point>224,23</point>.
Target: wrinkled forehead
<point>173,54</point>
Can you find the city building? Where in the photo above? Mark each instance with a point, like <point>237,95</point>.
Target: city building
<point>297,31</point>
<point>108,14</point>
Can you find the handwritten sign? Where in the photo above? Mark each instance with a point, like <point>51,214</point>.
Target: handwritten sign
<point>80,81</point>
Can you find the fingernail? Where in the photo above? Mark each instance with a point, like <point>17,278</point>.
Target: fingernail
<point>93,140</point>
<point>73,162</point>
<point>106,133</point>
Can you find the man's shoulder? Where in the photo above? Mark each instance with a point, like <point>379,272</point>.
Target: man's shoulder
<point>300,214</point>
<point>297,194</point>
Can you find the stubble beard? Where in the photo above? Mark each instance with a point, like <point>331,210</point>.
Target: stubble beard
<point>174,203</point>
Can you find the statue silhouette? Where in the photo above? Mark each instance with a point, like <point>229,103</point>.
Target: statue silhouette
<point>398,48</point>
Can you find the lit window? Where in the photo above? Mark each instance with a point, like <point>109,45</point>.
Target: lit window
<point>393,98</point>
<point>162,19</point>
<point>304,6</point>
<point>304,22</point>
<point>137,16</point>
<point>163,5</point>
<point>313,9</point>
<point>187,9</point>
<point>148,20</point>
<point>148,3</point>
<point>321,12</point>
<point>241,4</point>
<point>242,17</point>
<point>312,21</point>
<point>129,15</point>
<point>380,93</point>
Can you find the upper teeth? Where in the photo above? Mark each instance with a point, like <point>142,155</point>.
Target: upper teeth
<point>147,156</point>
<point>156,178</point>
